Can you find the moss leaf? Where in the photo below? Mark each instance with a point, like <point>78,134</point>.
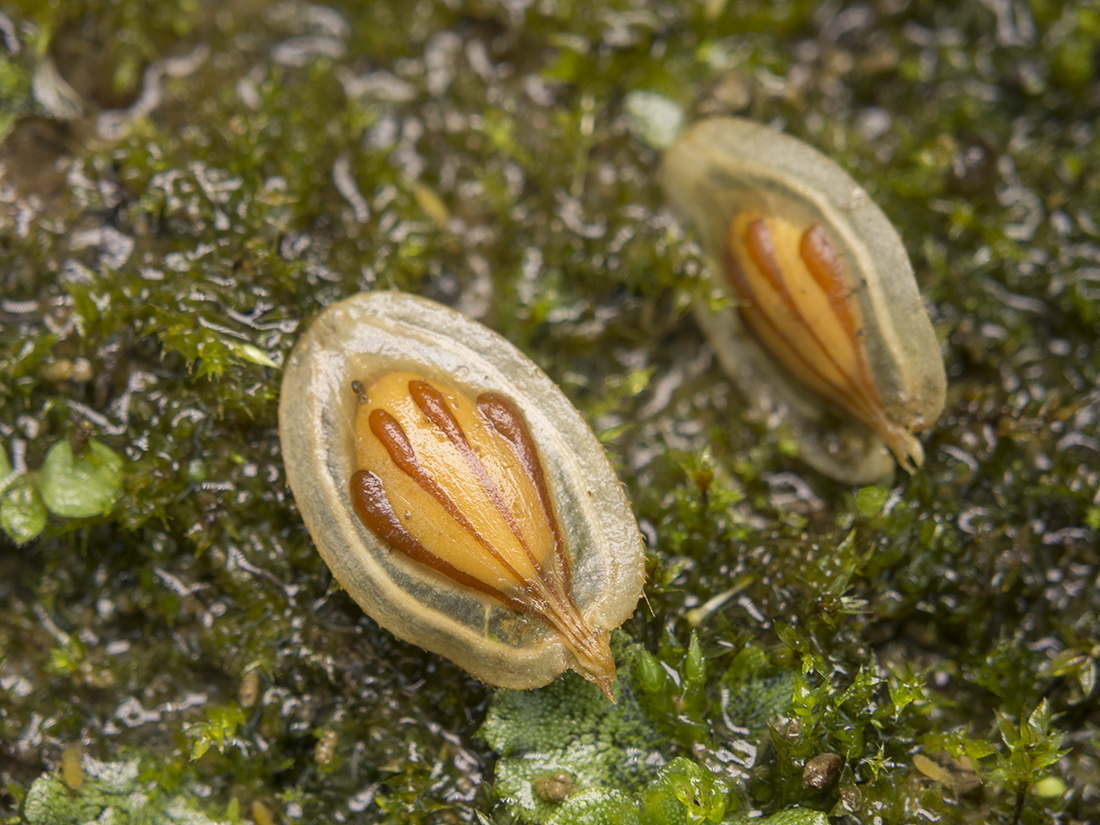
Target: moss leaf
<point>21,512</point>
<point>252,354</point>
<point>597,806</point>
<point>80,487</point>
<point>683,793</point>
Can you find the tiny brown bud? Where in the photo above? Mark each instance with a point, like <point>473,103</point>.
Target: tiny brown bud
<point>325,748</point>
<point>821,771</point>
<point>79,439</point>
<point>249,690</point>
<point>555,787</point>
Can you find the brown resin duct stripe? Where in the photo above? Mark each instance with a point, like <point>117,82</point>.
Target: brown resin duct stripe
<point>508,421</point>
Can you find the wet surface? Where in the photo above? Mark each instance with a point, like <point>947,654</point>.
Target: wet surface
<point>228,173</point>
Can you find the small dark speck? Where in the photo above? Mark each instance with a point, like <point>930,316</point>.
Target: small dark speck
<point>360,392</point>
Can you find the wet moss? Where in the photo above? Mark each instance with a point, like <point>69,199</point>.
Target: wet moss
<point>160,262</point>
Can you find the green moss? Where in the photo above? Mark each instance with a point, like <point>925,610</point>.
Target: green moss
<point>109,793</point>
<point>614,760</point>
<point>569,728</point>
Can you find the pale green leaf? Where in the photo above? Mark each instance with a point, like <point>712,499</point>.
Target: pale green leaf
<point>22,514</point>
<point>80,487</point>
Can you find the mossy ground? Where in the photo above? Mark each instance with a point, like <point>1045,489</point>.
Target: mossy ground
<point>158,268</point>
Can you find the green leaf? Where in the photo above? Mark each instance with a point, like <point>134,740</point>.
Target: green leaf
<point>905,688</point>
<point>650,675</point>
<point>695,666</point>
<point>80,487</point>
<point>66,658</point>
<point>252,354</point>
<point>870,501</point>
<point>597,806</point>
<point>219,730</point>
<point>795,640</point>
<point>1032,747</point>
<point>685,792</point>
<point>199,747</point>
<point>788,636</point>
<point>22,513</point>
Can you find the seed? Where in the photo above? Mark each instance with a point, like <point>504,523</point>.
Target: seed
<point>825,322</point>
<point>515,553</point>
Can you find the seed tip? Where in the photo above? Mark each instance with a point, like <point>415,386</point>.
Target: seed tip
<point>605,688</point>
<point>596,664</point>
<point>904,445</point>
